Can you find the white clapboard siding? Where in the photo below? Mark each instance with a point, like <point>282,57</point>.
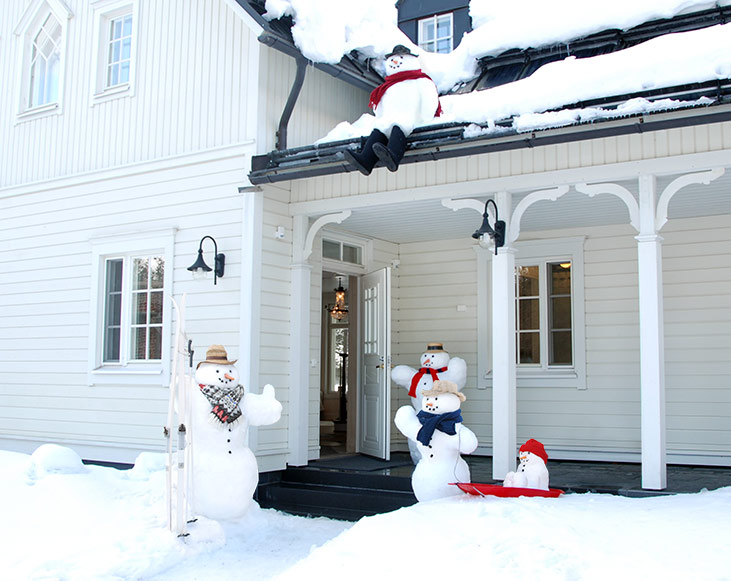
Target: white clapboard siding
<point>562,156</point>
<point>193,89</point>
<point>45,317</point>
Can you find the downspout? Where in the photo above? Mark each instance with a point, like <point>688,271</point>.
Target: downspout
<point>299,80</point>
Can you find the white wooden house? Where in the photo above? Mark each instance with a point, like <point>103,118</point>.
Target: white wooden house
<point>628,218</point>
<point>126,131</point>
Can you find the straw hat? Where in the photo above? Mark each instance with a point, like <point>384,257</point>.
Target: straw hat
<point>435,348</point>
<point>444,386</point>
<point>216,354</point>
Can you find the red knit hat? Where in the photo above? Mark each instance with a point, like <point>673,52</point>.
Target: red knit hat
<point>535,447</point>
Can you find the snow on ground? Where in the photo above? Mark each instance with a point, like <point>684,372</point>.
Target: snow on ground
<point>62,520</point>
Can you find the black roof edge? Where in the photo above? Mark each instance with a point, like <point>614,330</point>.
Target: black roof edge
<point>447,141</point>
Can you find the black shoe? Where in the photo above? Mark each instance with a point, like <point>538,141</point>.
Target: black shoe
<point>366,159</point>
<point>391,156</point>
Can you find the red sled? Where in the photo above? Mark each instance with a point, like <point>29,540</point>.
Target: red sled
<point>477,489</point>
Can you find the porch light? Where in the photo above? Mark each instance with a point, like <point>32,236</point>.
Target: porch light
<point>199,268</point>
<point>497,234</point>
<point>338,311</point>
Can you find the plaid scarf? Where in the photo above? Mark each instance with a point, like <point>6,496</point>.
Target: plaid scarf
<point>225,402</point>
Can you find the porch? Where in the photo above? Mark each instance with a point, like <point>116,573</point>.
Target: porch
<point>352,486</point>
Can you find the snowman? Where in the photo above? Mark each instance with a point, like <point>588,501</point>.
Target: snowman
<point>531,471</point>
<point>408,98</point>
<point>435,363</point>
<point>441,437</point>
<point>224,469</point>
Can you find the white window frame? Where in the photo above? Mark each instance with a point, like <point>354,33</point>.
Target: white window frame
<point>434,22</point>
<point>105,11</point>
<point>26,30</point>
<point>155,372</point>
<point>341,266</point>
<point>538,252</point>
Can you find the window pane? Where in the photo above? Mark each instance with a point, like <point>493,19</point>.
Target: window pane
<point>156,343</point>
<point>157,272</point>
<point>127,25</point>
<point>155,308</point>
<point>139,343</point>
<point>444,26</point>
<point>111,344</point>
<point>112,310</point>
<point>331,249</point>
<point>351,254</point>
<point>139,308</point>
<point>560,278</point>
<point>561,313</point>
<point>140,270</point>
<point>561,348</point>
<point>527,281</point>
<point>529,346</point>
<point>427,31</point>
<point>528,314</point>
<point>444,46</point>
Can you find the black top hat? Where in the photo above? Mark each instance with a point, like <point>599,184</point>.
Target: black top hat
<point>400,49</point>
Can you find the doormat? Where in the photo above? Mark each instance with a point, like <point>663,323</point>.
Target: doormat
<point>360,463</point>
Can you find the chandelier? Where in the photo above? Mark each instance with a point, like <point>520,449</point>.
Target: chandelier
<point>339,310</point>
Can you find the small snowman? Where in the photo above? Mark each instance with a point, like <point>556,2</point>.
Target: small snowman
<point>441,437</point>
<point>408,98</point>
<point>435,364</point>
<point>531,471</point>
<point>224,469</point>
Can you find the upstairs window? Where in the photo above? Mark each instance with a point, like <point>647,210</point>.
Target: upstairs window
<point>436,33</point>
<point>119,50</point>
<point>45,63</point>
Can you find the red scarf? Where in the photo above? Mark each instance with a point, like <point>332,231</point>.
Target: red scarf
<point>421,373</point>
<point>378,92</point>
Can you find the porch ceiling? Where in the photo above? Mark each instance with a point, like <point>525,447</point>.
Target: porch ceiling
<point>421,221</point>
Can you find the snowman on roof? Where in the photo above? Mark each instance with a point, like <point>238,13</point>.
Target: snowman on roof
<point>441,437</point>
<point>407,99</point>
<point>434,364</point>
<point>225,472</point>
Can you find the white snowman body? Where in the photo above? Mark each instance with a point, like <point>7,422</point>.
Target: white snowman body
<point>224,469</point>
<point>441,463</point>
<point>408,104</point>
<point>530,473</point>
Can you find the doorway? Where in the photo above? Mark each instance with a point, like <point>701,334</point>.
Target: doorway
<point>338,364</point>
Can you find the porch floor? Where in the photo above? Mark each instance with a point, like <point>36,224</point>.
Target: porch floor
<point>571,476</point>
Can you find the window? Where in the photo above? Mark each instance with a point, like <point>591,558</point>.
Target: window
<point>119,52</point>
<point>435,33</point>
<point>543,314</point>
<point>42,36</point>
<point>115,41</point>
<point>133,309</point>
<point>130,330</point>
<point>549,314</point>
<point>338,344</point>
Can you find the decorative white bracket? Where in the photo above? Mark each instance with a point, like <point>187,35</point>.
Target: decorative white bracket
<point>616,190</point>
<point>315,228</point>
<point>550,195</point>
<point>463,204</point>
<point>677,184</point>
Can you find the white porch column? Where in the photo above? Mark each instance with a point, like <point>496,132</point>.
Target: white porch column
<point>299,384</point>
<point>652,347</point>
<point>504,406</point>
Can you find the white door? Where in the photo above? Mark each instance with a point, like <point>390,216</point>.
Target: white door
<point>375,396</point>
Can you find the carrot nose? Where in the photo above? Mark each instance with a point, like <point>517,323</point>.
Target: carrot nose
<point>229,377</point>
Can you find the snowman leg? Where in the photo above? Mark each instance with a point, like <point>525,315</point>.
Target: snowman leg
<point>366,159</point>
<point>391,156</point>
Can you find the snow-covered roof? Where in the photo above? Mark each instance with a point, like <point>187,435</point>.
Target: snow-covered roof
<point>631,73</point>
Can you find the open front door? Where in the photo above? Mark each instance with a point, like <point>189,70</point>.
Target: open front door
<point>375,397</point>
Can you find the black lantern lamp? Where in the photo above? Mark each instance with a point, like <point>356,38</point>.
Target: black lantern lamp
<point>338,311</point>
<point>199,268</point>
<point>496,234</point>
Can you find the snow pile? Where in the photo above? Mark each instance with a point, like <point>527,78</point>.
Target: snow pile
<point>110,524</point>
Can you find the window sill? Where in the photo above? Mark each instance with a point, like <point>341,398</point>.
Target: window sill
<point>124,90</point>
<point>126,376</point>
<point>542,378</point>
<point>39,111</point>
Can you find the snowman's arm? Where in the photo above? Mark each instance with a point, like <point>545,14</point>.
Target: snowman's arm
<point>456,372</point>
<point>402,374</point>
<point>407,422</point>
<point>262,409</point>
<point>467,439</point>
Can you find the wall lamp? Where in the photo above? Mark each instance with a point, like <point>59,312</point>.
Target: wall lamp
<point>199,268</point>
<point>497,234</point>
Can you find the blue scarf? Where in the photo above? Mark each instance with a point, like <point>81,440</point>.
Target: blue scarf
<point>442,422</point>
